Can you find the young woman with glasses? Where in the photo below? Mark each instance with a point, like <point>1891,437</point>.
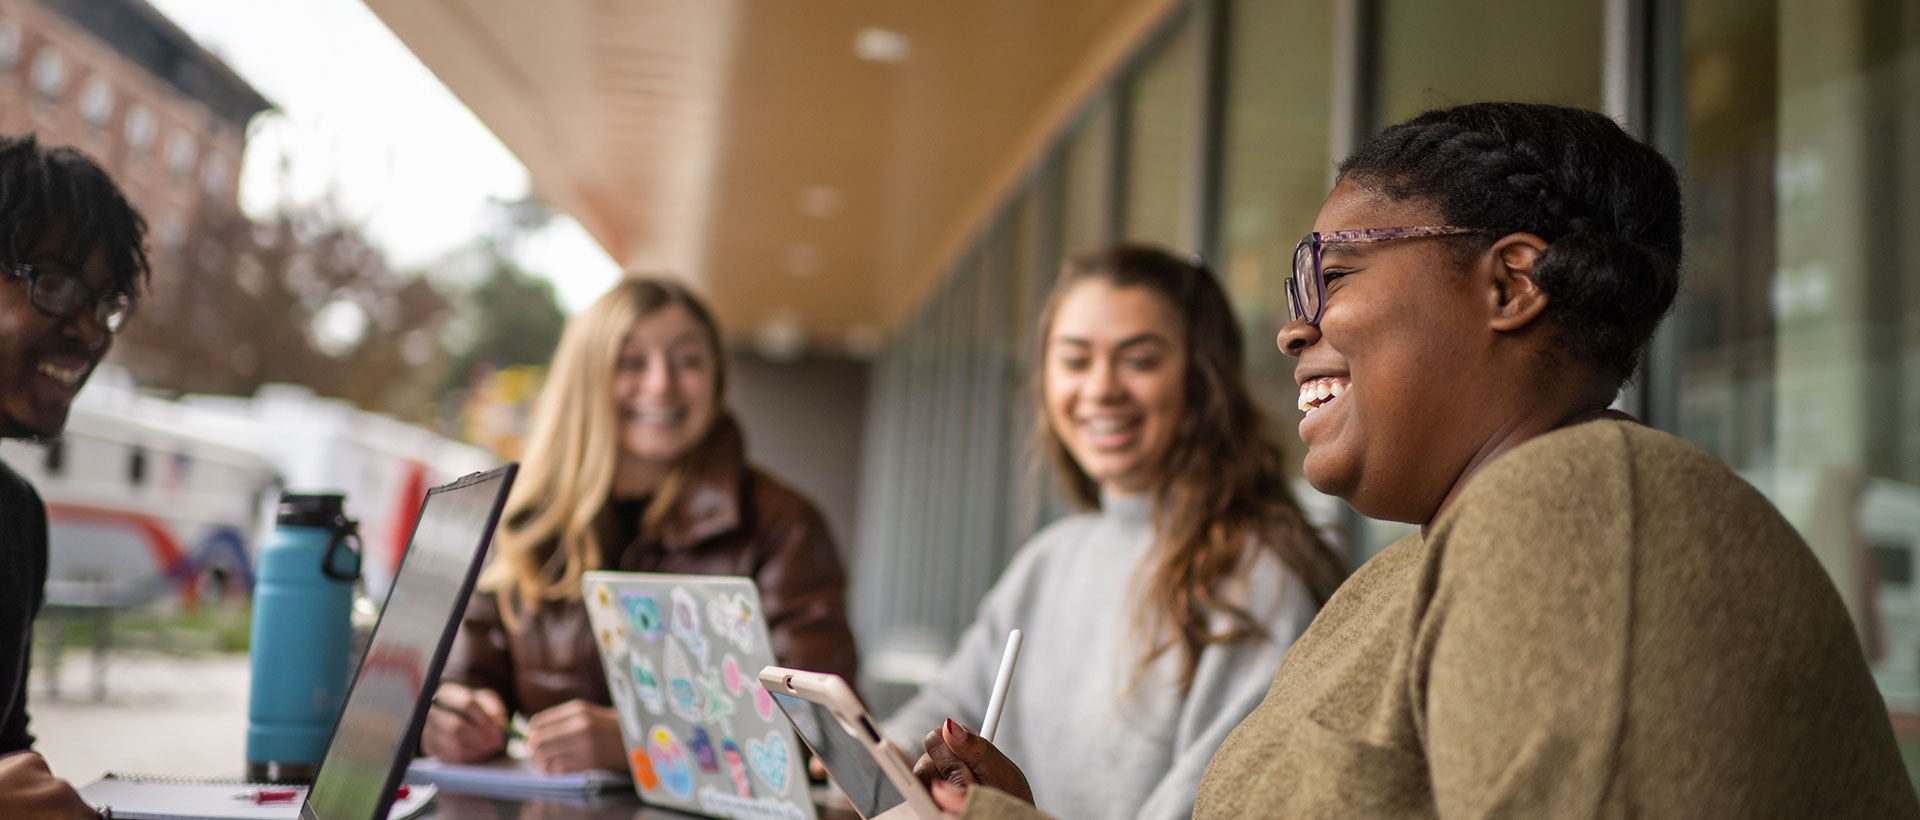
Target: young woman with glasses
<point>1596,618</point>
<point>1155,617</point>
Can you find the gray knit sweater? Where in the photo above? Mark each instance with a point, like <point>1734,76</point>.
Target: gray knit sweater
<point>1091,747</point>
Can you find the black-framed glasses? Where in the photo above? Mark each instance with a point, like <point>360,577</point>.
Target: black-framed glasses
<point>1307,287</point>
<point>63,295</point>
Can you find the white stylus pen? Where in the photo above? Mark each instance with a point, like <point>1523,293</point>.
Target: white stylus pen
<point>998,700</point>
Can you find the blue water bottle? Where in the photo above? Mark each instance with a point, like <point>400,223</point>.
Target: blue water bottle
<point>301,633</point>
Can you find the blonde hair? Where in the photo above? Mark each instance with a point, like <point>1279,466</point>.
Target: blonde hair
<point>550,532</point>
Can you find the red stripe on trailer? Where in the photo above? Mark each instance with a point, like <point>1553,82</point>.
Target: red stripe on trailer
<point>412,490</point>
<point>160,541</point>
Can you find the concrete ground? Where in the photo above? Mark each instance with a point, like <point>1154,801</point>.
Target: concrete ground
<point>162,713</point>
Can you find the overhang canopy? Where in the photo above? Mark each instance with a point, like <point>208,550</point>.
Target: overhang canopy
<point>749,146</point>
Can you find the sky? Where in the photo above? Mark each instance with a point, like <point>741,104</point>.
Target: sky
<point>362,122</point>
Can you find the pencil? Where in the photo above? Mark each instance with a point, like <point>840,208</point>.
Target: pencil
<point>507,730</point>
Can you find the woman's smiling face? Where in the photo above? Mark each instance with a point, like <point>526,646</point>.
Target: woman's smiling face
<point>1115,382</point>
<point>1400,343</point>
<point>665,387</point>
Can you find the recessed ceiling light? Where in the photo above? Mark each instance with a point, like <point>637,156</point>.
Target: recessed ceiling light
<point>803,260</point>
<point>781,337</point>
<point>881,45</point>
<point>820,201</point>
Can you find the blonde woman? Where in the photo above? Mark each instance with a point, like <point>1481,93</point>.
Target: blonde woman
<point>632,464</point>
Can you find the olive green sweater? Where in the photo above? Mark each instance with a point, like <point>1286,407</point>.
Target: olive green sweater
<point>1606,623</point>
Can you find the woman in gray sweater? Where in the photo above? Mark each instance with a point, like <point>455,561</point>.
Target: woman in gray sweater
<point>1154,619</point>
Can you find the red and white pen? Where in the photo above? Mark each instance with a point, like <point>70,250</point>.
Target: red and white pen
<point>270,795</point>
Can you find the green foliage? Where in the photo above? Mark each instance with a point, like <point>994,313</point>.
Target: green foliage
<point>514,316</point>
<point>211,627</point>
<point>517,318</point>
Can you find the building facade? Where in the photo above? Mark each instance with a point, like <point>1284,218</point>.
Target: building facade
<point>167,120</point>
<point>1793,353</point>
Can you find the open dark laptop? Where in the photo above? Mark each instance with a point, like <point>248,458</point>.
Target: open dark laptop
<point>369,749</point>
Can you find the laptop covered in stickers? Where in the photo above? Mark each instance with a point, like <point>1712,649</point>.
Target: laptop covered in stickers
<point>681,654</point>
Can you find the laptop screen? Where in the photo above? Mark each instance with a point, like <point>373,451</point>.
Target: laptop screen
<point>367,753</point>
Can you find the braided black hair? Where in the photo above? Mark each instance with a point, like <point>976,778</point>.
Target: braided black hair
<point>46,189</point>
<point>1608,205</point>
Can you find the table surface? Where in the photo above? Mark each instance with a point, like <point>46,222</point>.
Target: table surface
<point>620,805</point>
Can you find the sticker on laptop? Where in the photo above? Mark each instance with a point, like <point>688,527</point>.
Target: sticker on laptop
<point>646,684</point>
<point>720,804</point>
<point>683,697</point>
<point>736,767</point>
<point>703,752</point>
<point>643,772</point>
<point>719,706</point>
<point>732,616</point>
<point>730,675</point>
<point>686,625</point>
<point>763,702</point>
<point>621,687</point>
<point>769,761</point>
<point>643,616</point>
<point>670,762</point>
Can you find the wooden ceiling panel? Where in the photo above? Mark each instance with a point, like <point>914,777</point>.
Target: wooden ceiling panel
<point>684,133</point>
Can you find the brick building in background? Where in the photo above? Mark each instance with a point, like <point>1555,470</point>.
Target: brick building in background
<point>119,81</point>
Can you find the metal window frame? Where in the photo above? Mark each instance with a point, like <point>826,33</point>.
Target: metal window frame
<point>1639,76</point>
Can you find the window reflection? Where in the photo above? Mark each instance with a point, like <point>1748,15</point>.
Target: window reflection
<point>1163,119</point>
<point>1088,181</point>
<point>1799,331</point>
<point>1439,54</point>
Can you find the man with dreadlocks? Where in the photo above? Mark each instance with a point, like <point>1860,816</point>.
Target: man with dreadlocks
<point>72,261</point>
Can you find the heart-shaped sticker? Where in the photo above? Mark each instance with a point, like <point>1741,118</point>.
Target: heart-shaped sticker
<point>768,759</point>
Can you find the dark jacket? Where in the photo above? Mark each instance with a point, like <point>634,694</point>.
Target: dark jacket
<point>23,576</point>
<point>729,519</point>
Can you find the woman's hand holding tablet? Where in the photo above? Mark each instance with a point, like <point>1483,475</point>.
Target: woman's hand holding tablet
<point>833,722</point>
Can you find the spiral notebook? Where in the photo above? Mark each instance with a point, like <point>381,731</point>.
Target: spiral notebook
<point>513,777</point>
<point>156,797</point>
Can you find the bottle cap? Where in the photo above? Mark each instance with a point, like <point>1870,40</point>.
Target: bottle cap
<point>311,509</point>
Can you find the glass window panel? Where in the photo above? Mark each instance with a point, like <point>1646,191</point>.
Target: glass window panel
<point>1274,176</point>
<point>1087,195</point>
<point>1798,335</point>
<point>1439,54</point>
<point>1275,169</point>
<point>940,508</point>
<point>982,553</point>
<point>1163,169</point>
<point>1027,289</point>
<point>1431,55</point>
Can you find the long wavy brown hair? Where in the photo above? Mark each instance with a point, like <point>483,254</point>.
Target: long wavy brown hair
<point>1221,494</point>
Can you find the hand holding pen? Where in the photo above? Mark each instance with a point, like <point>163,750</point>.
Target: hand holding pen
<point>466,725</point>
<point>958,757</point>
<point>997,700</point>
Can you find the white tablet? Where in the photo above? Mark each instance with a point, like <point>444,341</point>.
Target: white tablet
<point>832,721</point>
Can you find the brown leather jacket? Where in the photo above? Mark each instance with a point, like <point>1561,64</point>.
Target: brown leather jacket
<point>729,519</point>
